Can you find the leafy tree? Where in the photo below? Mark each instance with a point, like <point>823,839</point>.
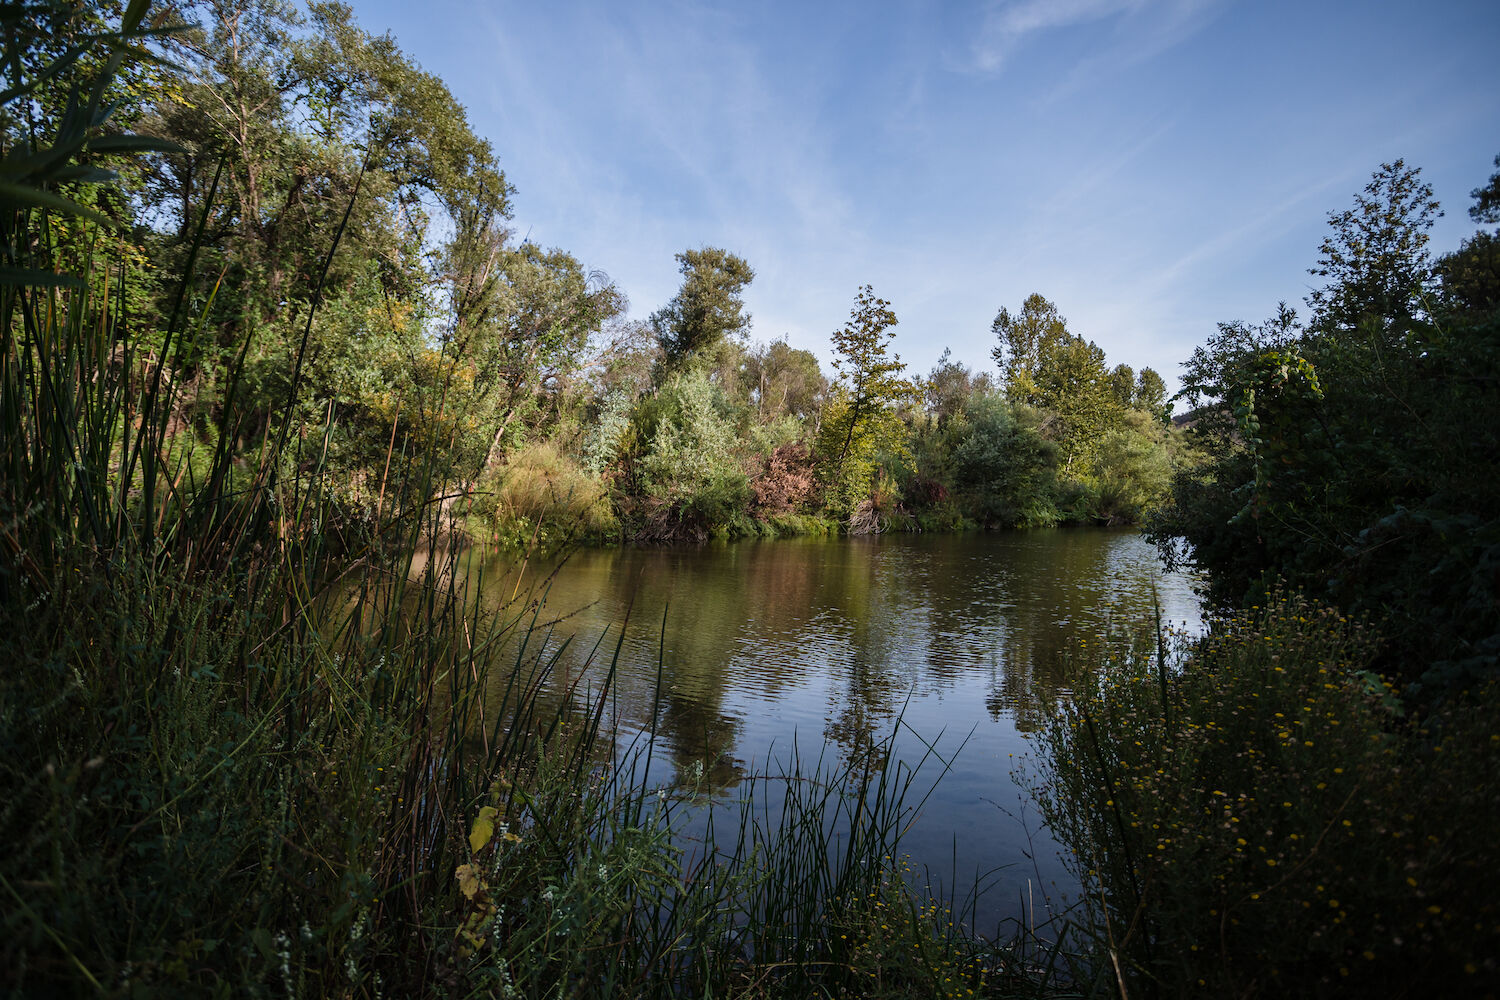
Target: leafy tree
<point>296,130</point>
<point>784,380</point>
<point>950,385</point>
<point>1486,207</point>
<point>1046,366</point>
<point>706,309</point>
<point>1122,385</point>
<point>1151,395</point>
<point>863,420</point>
<point>73,85</point>
<point>1358,459</point>
<point>1021,341</point>
<point>1073,383</point>
<point>526,332</point>
<point>1375,260</point>
<point>1470,276</point>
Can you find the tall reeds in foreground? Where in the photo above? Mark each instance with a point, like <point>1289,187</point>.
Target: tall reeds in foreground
<point>249,749</point>
<point>1252,813</point>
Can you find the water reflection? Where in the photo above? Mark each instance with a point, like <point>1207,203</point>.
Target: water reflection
<point>761,643</point>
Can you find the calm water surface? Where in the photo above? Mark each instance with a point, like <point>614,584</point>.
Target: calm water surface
<point>963,637</point>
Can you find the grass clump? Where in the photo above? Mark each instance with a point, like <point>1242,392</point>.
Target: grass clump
<point>542,497</point>
<point>1253,813</point>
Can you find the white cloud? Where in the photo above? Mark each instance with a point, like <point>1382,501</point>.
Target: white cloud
<point>1141,29</point>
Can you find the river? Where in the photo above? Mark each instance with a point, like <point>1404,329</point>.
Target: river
<point>964,638</point>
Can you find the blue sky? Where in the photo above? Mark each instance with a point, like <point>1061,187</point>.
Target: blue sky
<point>1152,166</point>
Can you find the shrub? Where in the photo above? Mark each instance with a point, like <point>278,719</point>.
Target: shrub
<point>690,477</point>
<point>785,483</point>
<point>1005,473</point>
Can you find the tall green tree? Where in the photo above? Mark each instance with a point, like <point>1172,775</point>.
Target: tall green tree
<point>1122,385</point>
<point>1357,459</point>
<point>1074,384</point>
<point>706,309</point>
<point>1022,338</point>
<point>1045,365</point>
<point>869,373</point>
<point>1151,395</point>
<point>785,381</point>
<point>311,127</point>
<point>528,347</point>
<point>1375,260</point>
<point>862,420</point>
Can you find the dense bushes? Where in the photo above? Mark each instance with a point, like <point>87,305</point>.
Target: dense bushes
<point>1004,471</point>
<point>1254,814</point>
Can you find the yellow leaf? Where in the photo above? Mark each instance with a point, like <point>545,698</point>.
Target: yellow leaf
<point>468,880</point>
<point>483,829</point>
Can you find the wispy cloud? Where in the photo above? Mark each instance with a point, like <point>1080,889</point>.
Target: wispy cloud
<point>1141,29</point>
<point>1007,25</point>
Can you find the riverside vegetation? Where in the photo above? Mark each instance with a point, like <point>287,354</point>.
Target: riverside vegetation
<point>1306,801</point>
<point>244,748</point>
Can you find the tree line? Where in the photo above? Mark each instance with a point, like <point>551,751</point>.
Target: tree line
<point>352,280</point>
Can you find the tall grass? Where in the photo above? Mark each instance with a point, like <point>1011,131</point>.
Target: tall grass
<point>247,749</point>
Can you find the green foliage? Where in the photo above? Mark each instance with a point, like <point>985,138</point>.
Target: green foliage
<point>541,497</point>
<point>1251,815</point>
<point>526,319</point>
<point>950,385</point>
<point>687,476</point>
<point>1131,470</point>
<point>1045,366</point>
<point>1469,278</point>
<point>1486,207</point>
<point>784,381</point>
<point>1075,386</point>
<point>1020,343</point>
<point>1122,385</point>
<point>1375,260</point>
<point>244,754</point>
<point>1151,395</point>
